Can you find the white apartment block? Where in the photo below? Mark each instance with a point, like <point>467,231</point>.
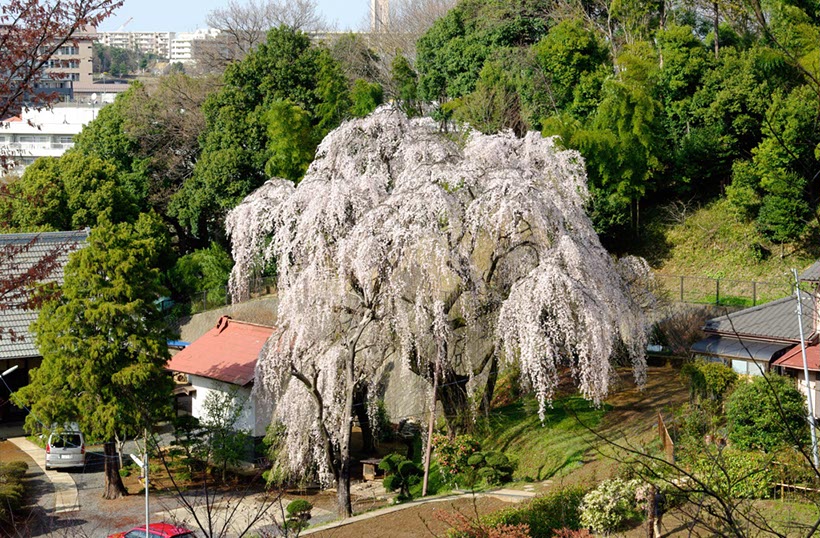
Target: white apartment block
<point>43,133</point>
<point>183,46</point>
<point>158,43</point>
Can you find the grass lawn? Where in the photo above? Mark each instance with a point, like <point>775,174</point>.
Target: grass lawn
<point>542,450</point>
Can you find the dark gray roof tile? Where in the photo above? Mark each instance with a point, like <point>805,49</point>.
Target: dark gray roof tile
<point>33,246</point>
<point>775,321</point>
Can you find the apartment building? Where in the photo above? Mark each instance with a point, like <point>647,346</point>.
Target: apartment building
<point>158,43</point>
<point>42,133</point>
<point>71,64</point>
<point>184,46</point>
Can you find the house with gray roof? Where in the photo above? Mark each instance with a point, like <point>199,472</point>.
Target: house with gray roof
<point>753,339</point>
<point>20,254</point>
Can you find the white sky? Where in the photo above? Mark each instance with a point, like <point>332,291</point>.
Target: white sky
<point>188,15</point>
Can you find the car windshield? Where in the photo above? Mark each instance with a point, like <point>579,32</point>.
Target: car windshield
<point>151,534</point>
<point>66,440</point>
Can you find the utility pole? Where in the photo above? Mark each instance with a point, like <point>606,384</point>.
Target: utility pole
<point>812,423</point>
<point>144,465</point>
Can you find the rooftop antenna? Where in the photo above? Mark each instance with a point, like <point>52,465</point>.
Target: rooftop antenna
<point>812,422</point>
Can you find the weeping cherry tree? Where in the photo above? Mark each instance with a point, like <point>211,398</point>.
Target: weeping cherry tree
<point>402,243</point>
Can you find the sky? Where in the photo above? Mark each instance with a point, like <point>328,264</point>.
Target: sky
<point>188,15</point>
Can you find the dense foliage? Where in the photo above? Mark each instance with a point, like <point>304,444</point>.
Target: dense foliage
<point>671,101</point>
<point>766,414</point>
<point>11,488</point>
<point>104,342</point>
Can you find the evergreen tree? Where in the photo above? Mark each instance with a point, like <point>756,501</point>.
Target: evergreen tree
<point>103,342</point>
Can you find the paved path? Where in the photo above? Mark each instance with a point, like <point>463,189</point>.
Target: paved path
<point>507,495</point>
<point>66,497</point>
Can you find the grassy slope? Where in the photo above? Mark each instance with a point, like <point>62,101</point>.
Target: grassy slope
<point>712,242</point>
<point>542,450</point>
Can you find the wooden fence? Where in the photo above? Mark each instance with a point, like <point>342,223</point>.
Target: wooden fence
<point>666,439</point>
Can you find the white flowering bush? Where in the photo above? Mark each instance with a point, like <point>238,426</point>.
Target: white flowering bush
<point>611,505</point>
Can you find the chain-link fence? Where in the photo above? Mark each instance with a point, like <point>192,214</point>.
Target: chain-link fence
<point>719,291</point>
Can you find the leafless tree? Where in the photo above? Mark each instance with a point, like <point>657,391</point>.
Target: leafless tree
<point>243,26</point>
<point>408,20</point>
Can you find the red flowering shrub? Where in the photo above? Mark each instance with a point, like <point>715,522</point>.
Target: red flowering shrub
<point>452,454</point>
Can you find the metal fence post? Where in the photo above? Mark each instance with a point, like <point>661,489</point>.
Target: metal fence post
<point>717,292</point>
<point>681,288</point>
<point>204,301</point>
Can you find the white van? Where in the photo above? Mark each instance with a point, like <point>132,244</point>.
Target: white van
<point>65,448</point>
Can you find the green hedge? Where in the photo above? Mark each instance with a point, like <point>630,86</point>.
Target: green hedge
<point>11,488</point>
<point>544,515</point>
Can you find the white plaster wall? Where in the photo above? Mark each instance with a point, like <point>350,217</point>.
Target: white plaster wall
<point>814,386</point>
<point>252,418</point>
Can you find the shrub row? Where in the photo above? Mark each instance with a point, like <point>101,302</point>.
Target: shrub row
<point>11,487</point>
<point>543,515</point>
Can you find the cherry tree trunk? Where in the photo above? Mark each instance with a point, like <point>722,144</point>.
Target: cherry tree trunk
<point>114,488</point>
<point>489,388</point>
<point>452,393</point>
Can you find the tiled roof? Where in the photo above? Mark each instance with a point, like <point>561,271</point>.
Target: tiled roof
<point>32,247</point>
<point>734,348</point>
<point>775,321</point>
<point>812,274</point>
<point>228,352</point>
<point>793,359</point>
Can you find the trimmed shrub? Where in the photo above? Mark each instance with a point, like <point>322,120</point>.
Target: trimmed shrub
<point>494,468</point>
<point>298,514</point>
<point>400,474</point>
<point>542,515</point>
<point>11,489</point>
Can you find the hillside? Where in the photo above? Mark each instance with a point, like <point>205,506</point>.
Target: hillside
<point>710,241</point>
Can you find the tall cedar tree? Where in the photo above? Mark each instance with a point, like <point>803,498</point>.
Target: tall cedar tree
<point>103,342</point>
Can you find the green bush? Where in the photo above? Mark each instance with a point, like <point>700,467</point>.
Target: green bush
<point>735,474</point>
<point>708,380</point>
<point>767,414</point>
<point>298,514</point>
<point>610,506</point>
<point>545,514</point>
<point>11,489</point>
<point>494,468</point>
<point>453,454</point>
<point>400,474</point>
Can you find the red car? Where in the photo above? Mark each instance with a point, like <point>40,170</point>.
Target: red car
<point>156,530</point>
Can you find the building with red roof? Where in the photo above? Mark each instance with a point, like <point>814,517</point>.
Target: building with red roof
<point>791,364</point>
<point>223,360</point>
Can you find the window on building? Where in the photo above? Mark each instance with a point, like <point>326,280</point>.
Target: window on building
<point>32,139</point>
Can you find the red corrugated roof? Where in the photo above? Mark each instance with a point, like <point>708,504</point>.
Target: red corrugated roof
<point>793,359</point>
<point>226,353</point>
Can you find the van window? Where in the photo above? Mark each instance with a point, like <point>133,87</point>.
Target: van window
<point>66,440</point>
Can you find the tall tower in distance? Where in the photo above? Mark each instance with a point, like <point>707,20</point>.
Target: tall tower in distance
<point>379,16</point>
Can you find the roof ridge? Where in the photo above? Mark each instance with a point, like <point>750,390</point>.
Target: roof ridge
<point>43,235</point>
